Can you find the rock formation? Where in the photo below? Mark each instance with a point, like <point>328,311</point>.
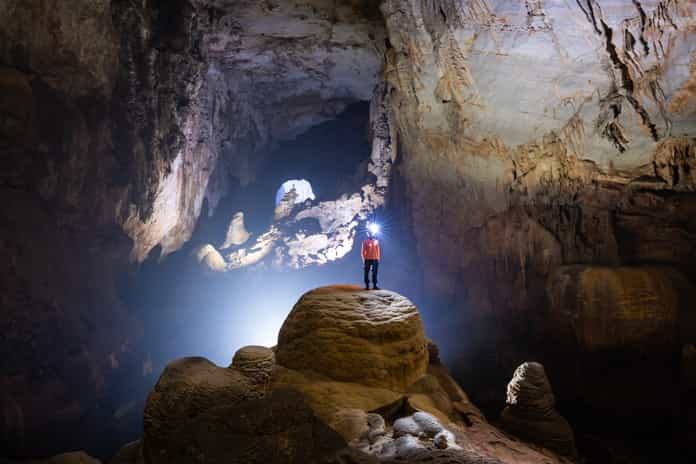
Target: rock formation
<point>636,317</point>
<point>295,245</point>
<point>530,412</point>
<point>119,118</point>
<point>530,136</point>
<point>236,232</point>
<point>294,406</point>
<point>347,334</point>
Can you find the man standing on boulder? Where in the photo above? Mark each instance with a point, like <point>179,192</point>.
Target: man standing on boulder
<point>370,255</point>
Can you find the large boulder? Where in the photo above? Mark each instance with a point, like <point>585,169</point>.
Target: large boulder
<point>530,412</point>
<point>348,334</point>
<point>188,388</point>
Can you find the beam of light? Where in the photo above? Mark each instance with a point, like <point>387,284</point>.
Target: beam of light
<point>373,227</point>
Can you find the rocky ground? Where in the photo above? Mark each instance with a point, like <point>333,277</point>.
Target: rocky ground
<point>353,379</point>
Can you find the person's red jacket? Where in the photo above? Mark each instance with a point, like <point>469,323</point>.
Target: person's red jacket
<point>370,248</point>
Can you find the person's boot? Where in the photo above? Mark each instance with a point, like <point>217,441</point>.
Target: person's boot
<point>367,286</point>
<point>375,287</point>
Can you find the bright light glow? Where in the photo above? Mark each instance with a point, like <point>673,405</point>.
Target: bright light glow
<point>373,227</point>
<point>302,188</point>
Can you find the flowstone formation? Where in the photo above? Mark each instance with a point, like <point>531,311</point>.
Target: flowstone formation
<point>382,343</point>
<point>531,411</point>
<point>379,394</point>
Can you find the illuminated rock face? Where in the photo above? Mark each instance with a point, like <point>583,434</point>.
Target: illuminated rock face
<point>186,388</point>
<point>375,338</point>
<point>541,134</point>
<point>236,232</point>
<point>523,126</point>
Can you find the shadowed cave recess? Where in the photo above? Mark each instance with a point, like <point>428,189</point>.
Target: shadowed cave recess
<point>532,165</point>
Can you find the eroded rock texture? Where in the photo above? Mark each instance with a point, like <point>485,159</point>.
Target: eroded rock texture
<point>616,324</point>
<point>347,333</point>
<point>199,411</point>
<point>540,134</point>
<point>549,126</point>
<point>118,119</point>
<point>531,411</point>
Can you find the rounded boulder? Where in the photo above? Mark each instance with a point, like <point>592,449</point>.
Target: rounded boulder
<point>348,334</point>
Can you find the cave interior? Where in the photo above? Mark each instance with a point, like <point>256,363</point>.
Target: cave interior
<point>532,166</point>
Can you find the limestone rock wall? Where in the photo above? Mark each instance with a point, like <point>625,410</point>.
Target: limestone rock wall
<point>538,134</point>
<point>117,120</point>
<point>538,125</point>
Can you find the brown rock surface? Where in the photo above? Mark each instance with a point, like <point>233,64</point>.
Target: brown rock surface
<point>186,389</point>
<point>348,334</point>
<point>632,319</point>
<point>530,412</point>
<point>119,118</point>
<point>280,428</point>
<point>620,306</point>
<point>201,411</point>
<point>255,362</point>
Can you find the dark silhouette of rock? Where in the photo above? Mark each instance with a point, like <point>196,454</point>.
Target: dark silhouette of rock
<point>280,428</point>
<point>530,412</point>
<point>132,453</point>
<point>76,457</point>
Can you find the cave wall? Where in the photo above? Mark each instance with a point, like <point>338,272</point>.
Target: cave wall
<point>536,135</point>
<point>101,110</point>
<point>118,120</point>
<point>532,135</point>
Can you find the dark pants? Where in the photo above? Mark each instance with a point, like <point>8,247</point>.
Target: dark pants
<point>374,264</point>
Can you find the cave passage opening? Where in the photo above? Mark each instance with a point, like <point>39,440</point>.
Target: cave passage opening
<point>191,311</point>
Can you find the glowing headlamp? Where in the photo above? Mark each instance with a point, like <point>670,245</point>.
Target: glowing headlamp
<point>373,227</point>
